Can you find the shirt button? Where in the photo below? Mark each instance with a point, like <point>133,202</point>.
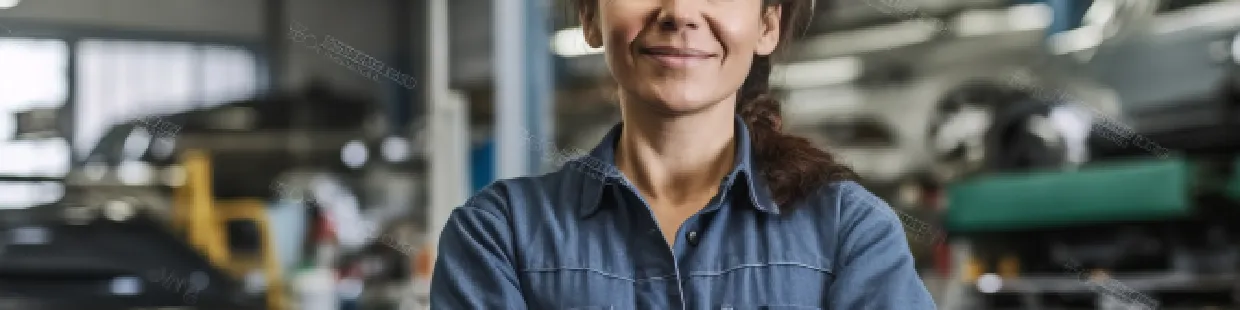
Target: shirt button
<point>693,237</point>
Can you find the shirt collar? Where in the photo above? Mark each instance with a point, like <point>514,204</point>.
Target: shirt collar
<point>598,171</point>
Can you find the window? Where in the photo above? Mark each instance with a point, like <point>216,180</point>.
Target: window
<point>114,81</point>
<point>125,80</point>
<point>33,75</point>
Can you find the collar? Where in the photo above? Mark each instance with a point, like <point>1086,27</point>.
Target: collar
<point>598,171</point>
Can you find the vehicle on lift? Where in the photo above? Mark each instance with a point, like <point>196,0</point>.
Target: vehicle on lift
<point>1148,219</point>
<point>188,191</point>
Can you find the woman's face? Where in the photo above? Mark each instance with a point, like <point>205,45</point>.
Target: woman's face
<point>681,55</point>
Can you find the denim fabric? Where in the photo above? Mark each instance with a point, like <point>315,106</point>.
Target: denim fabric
<point>583,238</point>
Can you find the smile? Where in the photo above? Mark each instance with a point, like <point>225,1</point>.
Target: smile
<point>676,57</point>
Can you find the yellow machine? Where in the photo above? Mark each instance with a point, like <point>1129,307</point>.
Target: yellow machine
<point>202,220</point>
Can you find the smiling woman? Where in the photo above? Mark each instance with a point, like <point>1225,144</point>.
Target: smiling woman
<point>710,204</point>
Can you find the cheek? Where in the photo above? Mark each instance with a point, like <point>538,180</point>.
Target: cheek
<point>739,37</point>
<point>619,37</point>
<point>622,22</point>
<point>740,42</point>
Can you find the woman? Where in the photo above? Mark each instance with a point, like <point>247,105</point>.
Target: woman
<point>696,200</point>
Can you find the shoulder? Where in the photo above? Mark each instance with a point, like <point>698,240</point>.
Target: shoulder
<point>844,197</point>
<point>850,206</point>
<point>522,195</point>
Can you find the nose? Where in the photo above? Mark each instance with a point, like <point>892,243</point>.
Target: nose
<point>676,15</point>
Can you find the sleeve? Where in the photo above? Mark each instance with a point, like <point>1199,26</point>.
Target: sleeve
<point>475,267</point>
<point>874,267</point>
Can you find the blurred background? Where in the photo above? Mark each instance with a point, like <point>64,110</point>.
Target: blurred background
<point>304,154</point>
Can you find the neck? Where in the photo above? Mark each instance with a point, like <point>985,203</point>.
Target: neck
<point>677,159</point>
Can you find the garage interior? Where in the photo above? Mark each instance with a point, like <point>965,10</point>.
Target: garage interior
<point>304,154</point>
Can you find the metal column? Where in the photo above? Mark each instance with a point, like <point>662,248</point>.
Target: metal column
<point>523,85</point>
<point>540,83</point>
<point>447,131</point>
<point>511,149</point>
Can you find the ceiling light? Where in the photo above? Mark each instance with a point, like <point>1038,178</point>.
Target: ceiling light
<point>1030,17</point>
<point>874,38</point>
<point>989,283</point>
<point>354,154</point>
<point>1076,40</point>
<point>395,149</point>
<point>4,4</point>
<point>1023,17</point>
<point>980,22</point>
<point>822,72</point>
<point>1235,49</point>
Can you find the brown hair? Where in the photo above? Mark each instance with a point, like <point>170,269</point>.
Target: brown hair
<point>792,166</point>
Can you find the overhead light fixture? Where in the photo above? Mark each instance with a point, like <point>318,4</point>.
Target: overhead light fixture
<point>980,22</point>
<point>875,38</point>
<point>395,149</point>
<point>1235,49</point>
<point>570,42</point>
<point>4,4</point>
<point>814,73</point>
<point>1022,17</point>
<point>989,283</point>
<point>1076,40</point>
<point>354,154</point>
<point>1034,16</point>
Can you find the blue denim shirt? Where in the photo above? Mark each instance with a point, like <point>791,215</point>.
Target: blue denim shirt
<point>583,238</point>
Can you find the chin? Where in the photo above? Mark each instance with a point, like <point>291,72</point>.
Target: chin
<point>682,98</point>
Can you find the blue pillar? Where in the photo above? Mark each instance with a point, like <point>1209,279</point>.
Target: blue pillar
<point>523,85</point>
<point>540,82</point>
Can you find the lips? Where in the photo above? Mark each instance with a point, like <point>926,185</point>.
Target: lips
<point>676,57</point>
<point>676,52</point>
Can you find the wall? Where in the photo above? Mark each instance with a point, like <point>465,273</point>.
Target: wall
<point>364,25</point>
<point>231,18</point>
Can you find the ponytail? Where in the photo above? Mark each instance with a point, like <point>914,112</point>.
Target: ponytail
<point>791,165</point>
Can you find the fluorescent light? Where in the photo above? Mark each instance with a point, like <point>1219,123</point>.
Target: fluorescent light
<point>1029,17</point>
<point>4,4</point>
<point>1235,49</point>
<point>1076,40</point>
<point>812,105</point>
<point>875,38</point>
<point>571,42</point>
<point>822,72</point>
<point>981,22</point>
<point>1016,18</point>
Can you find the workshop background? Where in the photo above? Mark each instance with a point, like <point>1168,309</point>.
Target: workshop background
<point>304,154</point>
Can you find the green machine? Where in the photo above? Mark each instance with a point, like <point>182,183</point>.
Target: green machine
<point>1133,191</point>
<point>1164,230</point>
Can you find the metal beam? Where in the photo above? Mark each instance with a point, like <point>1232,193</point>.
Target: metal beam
<point>275,28</point>
<point>511,147</point>
<point>448,135</point>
